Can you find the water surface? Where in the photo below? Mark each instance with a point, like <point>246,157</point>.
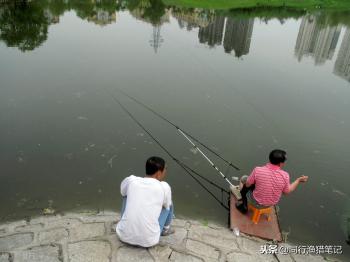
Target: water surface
<point>242,83</point>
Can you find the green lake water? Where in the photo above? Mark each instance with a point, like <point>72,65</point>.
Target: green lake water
<point>243,83</point>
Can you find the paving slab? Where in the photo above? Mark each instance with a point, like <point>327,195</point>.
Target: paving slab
<point>5,257</point>
<point>87,237</point>
<point>44,219</point>
<point>64,222</point>
<point>179,223</point>
<point>14,241</point>
<point>133,254</point>
<point>52,235</point>
<point>180,257</point>
<point>49,253</point>
<point>29,228</point>
<point>176,239</point>
<point>89,251</point>
<point>237,257</point>
<point>249,245</point>
<point>10,227</point>
<point>202,249</point>
<point>86,231</point>
<point>160,253</point>
<point>199,230</point>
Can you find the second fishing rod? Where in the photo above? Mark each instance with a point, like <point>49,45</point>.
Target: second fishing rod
<point>188,137</point>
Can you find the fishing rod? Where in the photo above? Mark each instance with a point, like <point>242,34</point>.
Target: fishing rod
<point>187,137</point>
<point>178,128</point>
<point>182,165</point>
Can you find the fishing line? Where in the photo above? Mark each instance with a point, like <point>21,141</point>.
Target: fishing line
<point>184,167</point>
<point>184,133</point>
<point>187,137</point>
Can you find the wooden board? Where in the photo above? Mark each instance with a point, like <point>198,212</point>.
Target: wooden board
<point>269,230</point>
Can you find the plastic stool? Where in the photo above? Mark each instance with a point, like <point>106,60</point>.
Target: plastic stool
<point>258,212</point>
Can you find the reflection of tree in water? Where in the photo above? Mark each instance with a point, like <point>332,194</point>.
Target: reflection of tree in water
<point>24,25</point>
<point>100,12</point>
<point>192,18</point>
<point>151,11</point>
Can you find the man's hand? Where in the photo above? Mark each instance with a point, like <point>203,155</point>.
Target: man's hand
<point>303,179</point>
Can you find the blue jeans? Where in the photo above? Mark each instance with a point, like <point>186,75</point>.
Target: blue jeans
<point>165,217</point>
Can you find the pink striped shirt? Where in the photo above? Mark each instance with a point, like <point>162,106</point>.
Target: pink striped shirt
<point>270,182</point>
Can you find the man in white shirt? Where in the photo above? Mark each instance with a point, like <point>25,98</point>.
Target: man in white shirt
<point>147,208</point>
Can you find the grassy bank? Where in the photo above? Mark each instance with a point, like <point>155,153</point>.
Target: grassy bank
<point>243,4</point>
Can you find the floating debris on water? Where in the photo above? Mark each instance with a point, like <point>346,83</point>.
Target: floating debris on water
<point>80,182</point>
<point>92,145</point>
<point>235,178</point>
<point>68,156</point>
<point>78,94</point>
<point>214,148</point>
<point>321,206</point>
<point>99,191</point>
<point>338,192</point>
<point>316,152</point>
<point>194,150</point>
<point>140,134</point>
<point>133,148</point>
<point>324,183</point>
<point>48,211</point>
<point>110,161</point>
<point>22,202</point>
<point>82,118</point>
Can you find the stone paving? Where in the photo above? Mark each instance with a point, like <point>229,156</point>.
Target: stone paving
<point>88,237</point>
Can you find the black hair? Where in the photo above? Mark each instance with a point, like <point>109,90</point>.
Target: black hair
<point>154,164</point>
<point>277,156</point>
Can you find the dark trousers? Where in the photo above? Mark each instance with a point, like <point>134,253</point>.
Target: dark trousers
<point>244,192</point>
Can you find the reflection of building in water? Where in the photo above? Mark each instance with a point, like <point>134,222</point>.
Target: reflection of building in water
<point>212,34</point>
<point>342,64</point>
<point>233,33</point>
<point>316,40</point>
<point>238,33</point>
<point>102,17</point>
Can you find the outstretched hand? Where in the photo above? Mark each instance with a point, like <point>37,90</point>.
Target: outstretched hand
<point>303,179</point>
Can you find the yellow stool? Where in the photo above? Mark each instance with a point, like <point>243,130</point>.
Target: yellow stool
<point>258,212</point>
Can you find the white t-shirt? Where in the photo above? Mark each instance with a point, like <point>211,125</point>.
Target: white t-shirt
<point>145,199</point>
